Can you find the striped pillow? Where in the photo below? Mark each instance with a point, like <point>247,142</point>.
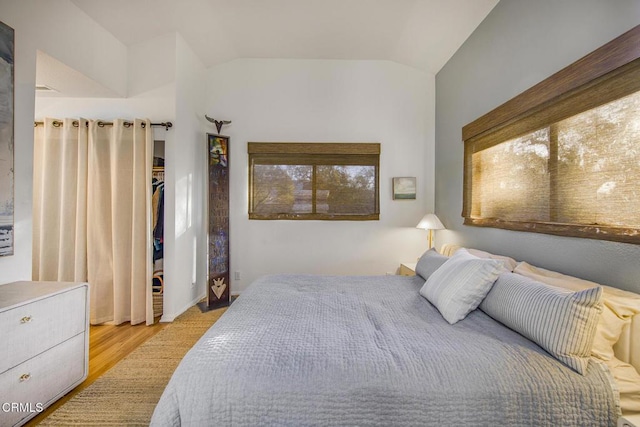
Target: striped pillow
<point>460,284</point>
<point>562,322</point>
<point>429,262</point>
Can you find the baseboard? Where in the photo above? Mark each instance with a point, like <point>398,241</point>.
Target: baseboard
<point>167,318</point>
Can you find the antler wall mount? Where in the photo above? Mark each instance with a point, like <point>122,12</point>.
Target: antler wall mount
<point>218,123</point>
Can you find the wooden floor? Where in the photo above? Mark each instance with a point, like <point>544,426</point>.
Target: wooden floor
<point>107,346</point>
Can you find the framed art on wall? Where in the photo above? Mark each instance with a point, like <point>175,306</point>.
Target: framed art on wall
<point>218,276</point>
<point>6,140</point>
<point>404,188</point>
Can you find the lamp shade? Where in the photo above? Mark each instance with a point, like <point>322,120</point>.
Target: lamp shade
<point>430,222</point>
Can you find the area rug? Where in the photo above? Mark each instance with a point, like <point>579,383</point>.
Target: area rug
<point>127,394</point>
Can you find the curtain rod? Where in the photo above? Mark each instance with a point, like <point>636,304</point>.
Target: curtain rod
<point>57,123</point>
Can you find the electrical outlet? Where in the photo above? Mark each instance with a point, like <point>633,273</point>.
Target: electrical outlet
<point>236,275</point>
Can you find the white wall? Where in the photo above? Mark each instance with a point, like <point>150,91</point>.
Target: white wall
<point>185,154</point>
<point>519,44</point>
<point>166,82</point>
<point>160,79</point>
<point>59,28</point>
<point>268,100</point>
<point>327,101</point>
<point>151,69</point>
<point>156,105</point>
<point>54,26</point>
<point>151,65</point>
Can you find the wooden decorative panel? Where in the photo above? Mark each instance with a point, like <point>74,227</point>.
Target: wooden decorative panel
<point>218,230</point>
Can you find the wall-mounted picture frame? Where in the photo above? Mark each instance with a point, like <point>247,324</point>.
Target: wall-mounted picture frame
<point>404,188</point>
<point>218,277</point>
<point>6,140</point>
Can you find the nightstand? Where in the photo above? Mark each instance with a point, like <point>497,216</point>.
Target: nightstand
<point>43,325</point>
<point>629,421</point>
<point>408,269</point>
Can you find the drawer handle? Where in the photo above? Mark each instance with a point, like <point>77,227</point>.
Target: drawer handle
<point>25,377</point>
<point>26,319</point>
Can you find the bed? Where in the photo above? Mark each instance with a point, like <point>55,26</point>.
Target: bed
<point>306,350</point>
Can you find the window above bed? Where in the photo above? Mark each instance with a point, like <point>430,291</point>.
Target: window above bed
<point>564,156</point>
<point>317,181</point>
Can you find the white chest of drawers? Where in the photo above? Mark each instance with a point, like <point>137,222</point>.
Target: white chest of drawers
<point>44,345</point>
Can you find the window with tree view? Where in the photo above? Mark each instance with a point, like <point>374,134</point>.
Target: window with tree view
<point>326,181</point>
<point>569,166</point>
<point>582,170</point>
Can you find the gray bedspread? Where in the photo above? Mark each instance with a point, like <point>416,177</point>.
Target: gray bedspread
<point>320,351</point>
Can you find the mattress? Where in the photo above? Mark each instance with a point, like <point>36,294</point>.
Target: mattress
<point>357,350</point>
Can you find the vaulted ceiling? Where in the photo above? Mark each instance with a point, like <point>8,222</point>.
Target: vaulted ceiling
<point>420,33</point>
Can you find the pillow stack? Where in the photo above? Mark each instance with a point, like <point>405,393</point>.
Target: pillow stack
<point>458,286</point>
<point>572,319</point>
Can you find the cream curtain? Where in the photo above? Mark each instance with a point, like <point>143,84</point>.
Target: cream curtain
<point>60,202</point>
<point>92,213</point>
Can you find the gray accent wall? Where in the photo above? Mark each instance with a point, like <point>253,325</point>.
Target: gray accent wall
<point>520,43</point>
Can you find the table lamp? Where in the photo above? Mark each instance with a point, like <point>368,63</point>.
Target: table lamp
<point>430,222</point>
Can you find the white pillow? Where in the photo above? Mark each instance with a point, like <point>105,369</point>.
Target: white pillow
<point>560,321</point>
<point>448,249</point>
<point>509,263</point>
<point>628,381</point>
<point>460,284</point>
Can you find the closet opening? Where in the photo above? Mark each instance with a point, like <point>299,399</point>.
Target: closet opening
<point>88,213</point>
<point>157,223</point>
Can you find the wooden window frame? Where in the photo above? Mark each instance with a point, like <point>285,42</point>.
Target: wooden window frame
<point>606,74</point>
<point>330,153</point>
